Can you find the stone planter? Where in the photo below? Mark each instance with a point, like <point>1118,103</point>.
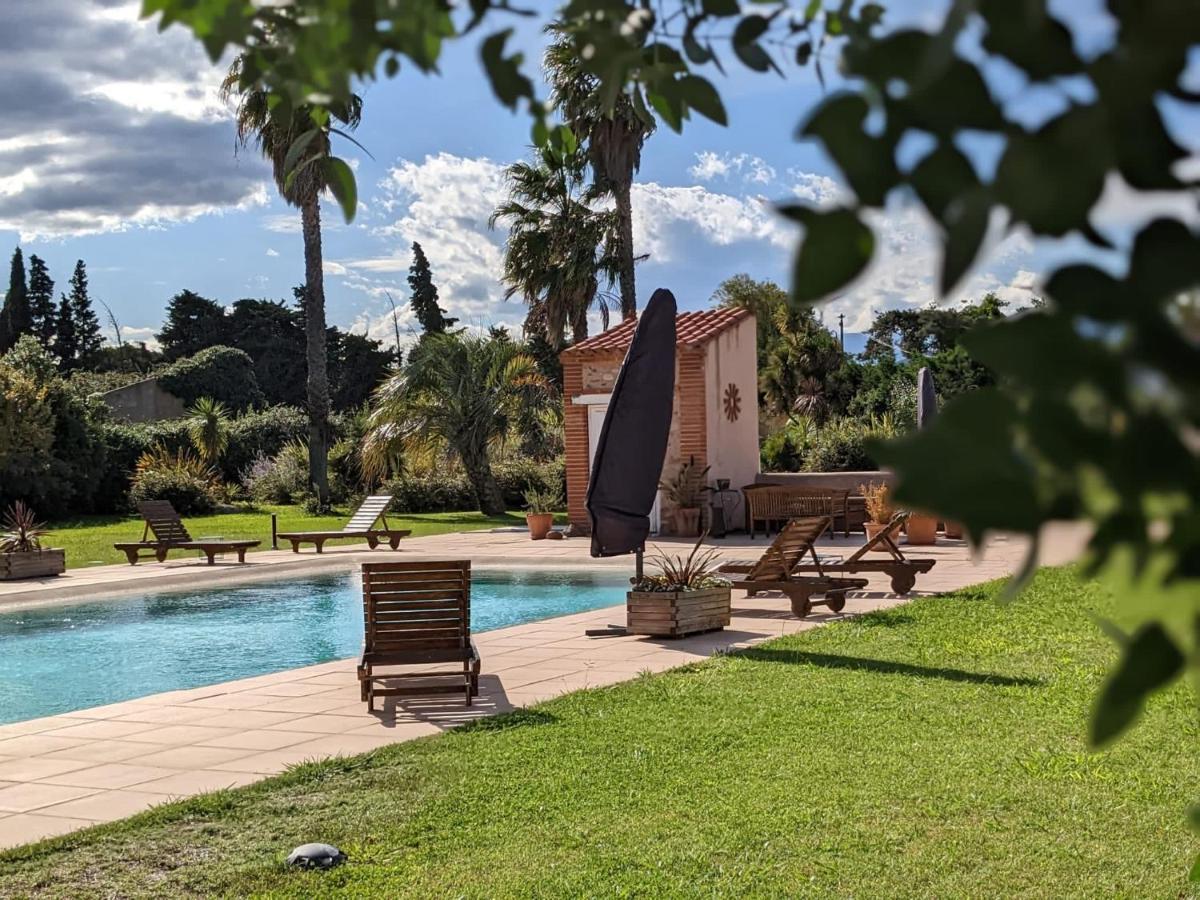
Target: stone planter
<point>32,564</point>
<point>539,525</point>
<point>921,529</point>
<point>687,522</point>
<point>677,613</point>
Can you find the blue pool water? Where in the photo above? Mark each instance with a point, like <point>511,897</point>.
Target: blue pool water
<point>62,658</point>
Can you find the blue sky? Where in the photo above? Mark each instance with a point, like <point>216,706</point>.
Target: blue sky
<point>127,162</point>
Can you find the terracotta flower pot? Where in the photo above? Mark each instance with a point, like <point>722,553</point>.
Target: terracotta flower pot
<point>921,529</point>
<point>687,522</point>
<point>873,528</point>
<point>953,530</point>
<point>539,525</point>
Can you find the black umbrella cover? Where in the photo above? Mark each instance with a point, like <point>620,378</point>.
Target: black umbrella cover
<point>926,397</point>
<point>633,442</point>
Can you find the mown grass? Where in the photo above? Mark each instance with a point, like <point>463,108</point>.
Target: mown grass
<point>89,540</point>
<point>936,750</point>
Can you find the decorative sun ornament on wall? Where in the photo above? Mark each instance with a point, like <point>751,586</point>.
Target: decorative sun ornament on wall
<point>733,402</point>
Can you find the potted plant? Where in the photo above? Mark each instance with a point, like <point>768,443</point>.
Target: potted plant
<point>686,491</point>
<point>540,505</point>
<point>920,528</point>
<point>877,498</point>
<point>953,530</point>
<point>685,595</point>
<point>21,553</point>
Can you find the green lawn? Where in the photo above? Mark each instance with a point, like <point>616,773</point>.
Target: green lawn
<point>936,750</point>
<point>89,540</point>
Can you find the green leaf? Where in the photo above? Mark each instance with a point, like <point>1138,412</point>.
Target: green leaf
<point>966,466</point>
<point>721,7</point>
<point>804,53</point>
<point>746,46</point>
<point>941,177</point>
<point>340,178</point>
<point>1150,662</point>
<point>508,83</point>
<point>669,109</point>
<point>1051,178</point>
<point>835,249</point>
<point>703,97</point>
<point>296,150</point>
<point>867,162</point>
<point>966,220</point>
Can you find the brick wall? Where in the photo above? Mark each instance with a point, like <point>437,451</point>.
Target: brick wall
<point>575,437</point>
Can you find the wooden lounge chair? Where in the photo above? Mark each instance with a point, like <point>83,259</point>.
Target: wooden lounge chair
<point>417,613</point>
<point>361,525</point>
<point>901,569</point>
<point>170,534</point>
<point>775,570</point>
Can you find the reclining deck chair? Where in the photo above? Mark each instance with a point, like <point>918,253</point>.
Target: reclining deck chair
<point>361,525</point>
<point>902,570</point>
<point>775,570</point>
<point>170,534</point>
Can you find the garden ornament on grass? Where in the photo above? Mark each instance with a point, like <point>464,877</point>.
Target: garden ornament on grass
<point>316,856</point>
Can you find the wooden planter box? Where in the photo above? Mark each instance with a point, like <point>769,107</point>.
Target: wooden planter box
<point>34,564</point>
<point>677,613</point>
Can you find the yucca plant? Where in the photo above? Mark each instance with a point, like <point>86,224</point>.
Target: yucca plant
<point>208,428</point>
<point>695,572</point>
<point>23,533</point>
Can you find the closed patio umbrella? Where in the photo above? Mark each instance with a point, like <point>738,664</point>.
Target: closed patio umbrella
<point>633,440</point>
<point>926,397</point>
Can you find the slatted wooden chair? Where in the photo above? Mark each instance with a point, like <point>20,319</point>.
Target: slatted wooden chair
<point>775,570</point>
<point>901,569</point>
<point>170,534</point>
<point>417,614</point>
<point>361,525</point>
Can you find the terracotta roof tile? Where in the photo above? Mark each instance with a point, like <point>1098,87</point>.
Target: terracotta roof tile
<point>692,329</point>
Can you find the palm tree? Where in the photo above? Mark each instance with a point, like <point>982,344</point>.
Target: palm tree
<point>798,363</point>
<point>559,246</point>
<point>208,429</point>
<point>300,184</point>
<point>458,393</point>
<point>613,139</point>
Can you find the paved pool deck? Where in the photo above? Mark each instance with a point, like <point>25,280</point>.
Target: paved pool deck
<point>62,773</point>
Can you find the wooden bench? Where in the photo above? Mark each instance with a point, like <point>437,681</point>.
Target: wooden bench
<point>361,525</point>
<point>169,532</point>
<point>778,503</point>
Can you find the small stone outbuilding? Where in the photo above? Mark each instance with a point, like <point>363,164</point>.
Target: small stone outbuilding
<point>715,417</point>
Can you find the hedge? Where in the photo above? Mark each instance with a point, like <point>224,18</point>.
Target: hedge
<point>223,373</point>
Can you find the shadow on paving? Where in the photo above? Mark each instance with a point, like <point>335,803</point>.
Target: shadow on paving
<point>885,667</point>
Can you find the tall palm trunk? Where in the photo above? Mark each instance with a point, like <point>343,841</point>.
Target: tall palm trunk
<point>621,192</point>
<point>314,333</point>
<point>579,322</point>
<point>483,482</point>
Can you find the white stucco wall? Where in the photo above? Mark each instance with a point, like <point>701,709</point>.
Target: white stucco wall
<point>733,446</point>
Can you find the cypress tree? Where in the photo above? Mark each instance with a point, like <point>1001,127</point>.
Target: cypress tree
<point>87,325</point>
<point>77,331</point>
<point>42,313</point>
<point>424,300</point>
<point>14,315</point>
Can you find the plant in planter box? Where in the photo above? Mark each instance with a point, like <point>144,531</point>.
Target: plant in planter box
<point>683,596</point>
<point>878,501</point>
<point>540,504</point>
<point>21,553</point>
<point>686,490</point>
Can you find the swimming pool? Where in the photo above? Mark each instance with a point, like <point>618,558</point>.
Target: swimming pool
<point>62,658</point>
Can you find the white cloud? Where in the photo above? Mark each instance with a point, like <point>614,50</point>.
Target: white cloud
<point>145,334</point>
<point>751,169</point>
<point>128,132</point>
<point>271,251</point>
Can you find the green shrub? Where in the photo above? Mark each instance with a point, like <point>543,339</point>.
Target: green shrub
<point>784,450</point>
<point>223,373</point>
<point>447,489</point>
<point>261,433</point>
<point>279,479</point>
<point>839,446</point>
<point>179,477</point>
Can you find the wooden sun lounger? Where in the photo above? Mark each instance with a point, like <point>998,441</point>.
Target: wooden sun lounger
<point>901,569</point>
<point>170,534</point>
<point>361,525</point>
<point>775,569</point>
<point>417,613</point>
